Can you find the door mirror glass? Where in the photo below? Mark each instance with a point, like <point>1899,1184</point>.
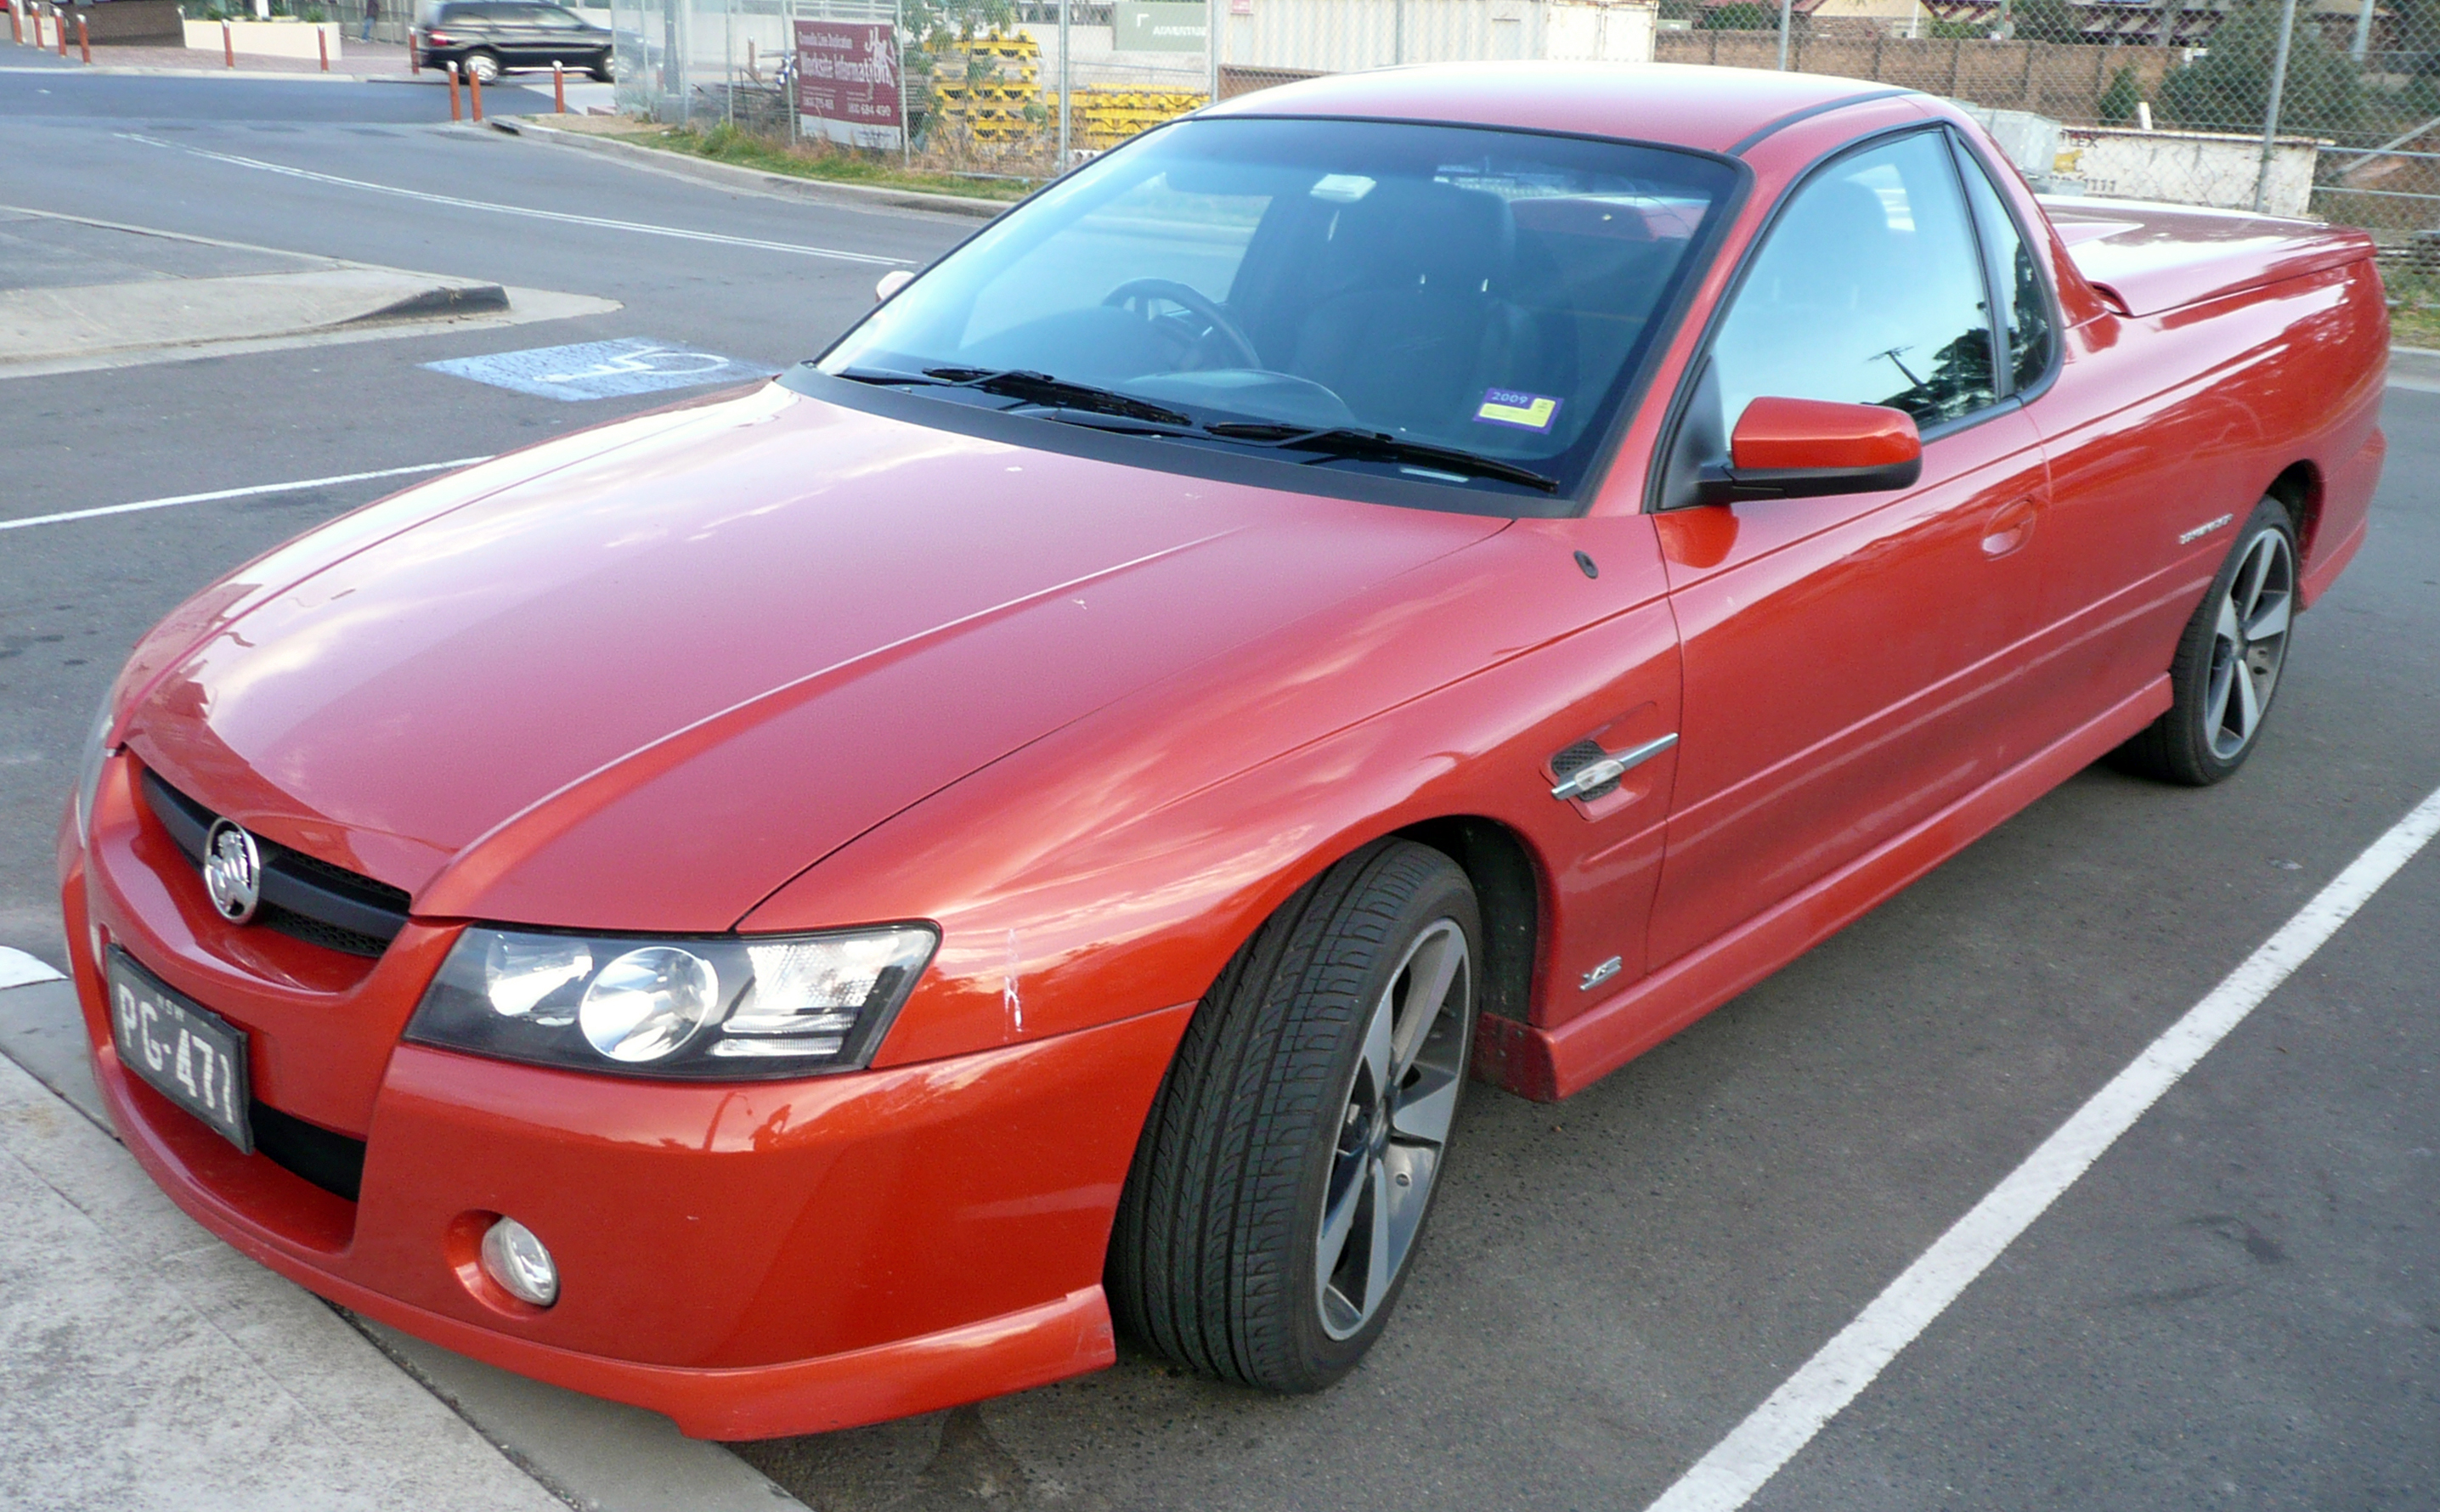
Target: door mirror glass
<point>1805,448</point>
<point>895,279</point>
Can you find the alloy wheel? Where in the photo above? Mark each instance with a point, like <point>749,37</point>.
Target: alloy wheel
<point>1393,1128</point>
<point>2250,644</point>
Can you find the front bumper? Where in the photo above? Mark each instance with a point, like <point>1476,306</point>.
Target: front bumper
<point>753,1259</point>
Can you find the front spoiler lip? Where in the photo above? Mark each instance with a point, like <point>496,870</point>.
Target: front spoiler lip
<point>1033,1346</point>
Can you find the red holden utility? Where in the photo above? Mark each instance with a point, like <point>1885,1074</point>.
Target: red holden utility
<point>823,903</point>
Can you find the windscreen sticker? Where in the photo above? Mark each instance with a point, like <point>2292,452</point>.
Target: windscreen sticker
<point>1512,408</point>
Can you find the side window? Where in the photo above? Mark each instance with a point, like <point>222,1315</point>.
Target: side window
<point>2024,306</point>
<point>1869,292</point>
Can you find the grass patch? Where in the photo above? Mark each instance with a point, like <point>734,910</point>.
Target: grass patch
<point>727,144</point>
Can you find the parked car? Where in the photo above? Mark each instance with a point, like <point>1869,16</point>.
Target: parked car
<point>487,38</point>
<point>815,905</point>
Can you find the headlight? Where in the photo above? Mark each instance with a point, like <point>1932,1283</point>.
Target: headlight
<point>720,1007</point>
<point>88,788</point>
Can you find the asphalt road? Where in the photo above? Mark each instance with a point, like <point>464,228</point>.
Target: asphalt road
<point>2237,1307</point>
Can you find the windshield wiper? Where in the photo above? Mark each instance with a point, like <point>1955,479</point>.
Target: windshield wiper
<point>1032,388</point>
<point>881,376</point>
<point>1377,446</point>
<point>1056,393</point>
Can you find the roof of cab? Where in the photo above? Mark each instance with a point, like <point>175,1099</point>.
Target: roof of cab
<point>1689,105</point>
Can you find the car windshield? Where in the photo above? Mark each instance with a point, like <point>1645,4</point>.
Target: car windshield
<point>1459,306</point>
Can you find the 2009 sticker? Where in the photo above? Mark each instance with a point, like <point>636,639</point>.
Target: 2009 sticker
<point>1518,409</point>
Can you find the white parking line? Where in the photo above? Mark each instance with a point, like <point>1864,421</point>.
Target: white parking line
<point>238,493</point>
<point>1740,1463</point>
<point>495,207</point>
<point>17,969</point>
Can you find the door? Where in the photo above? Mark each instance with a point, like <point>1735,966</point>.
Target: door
<point>522,40</point>
<point>561,38</point>
<point>1848,659</point>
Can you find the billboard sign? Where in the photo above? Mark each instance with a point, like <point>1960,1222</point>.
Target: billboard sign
<point>848,81</point>
<point>1158,26</point>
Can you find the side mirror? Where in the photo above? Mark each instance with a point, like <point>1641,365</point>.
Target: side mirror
<point>895,279</point>
<point>1804,448</point>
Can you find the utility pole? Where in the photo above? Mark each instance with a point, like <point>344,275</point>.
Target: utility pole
<point>1064,77</point>
<point>2363,32</point>
<point>1785,6</point>
<point>2278,88</point>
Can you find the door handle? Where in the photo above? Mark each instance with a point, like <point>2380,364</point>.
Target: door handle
<point>2009,527</point>
<point>1609,769</point>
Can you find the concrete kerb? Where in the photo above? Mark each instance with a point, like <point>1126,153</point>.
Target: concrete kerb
<point>569,1447</point>
<point>730,175</point>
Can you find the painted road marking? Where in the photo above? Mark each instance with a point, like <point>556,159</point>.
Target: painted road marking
<point>17,969</point>
<point>1740,1463</point>
<point>494,207</point>
<point>601,369</point>
<point>238,493</point>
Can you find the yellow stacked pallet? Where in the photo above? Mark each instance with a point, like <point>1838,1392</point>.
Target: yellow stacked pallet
<point>990,101</point>
<point>1108,114</point>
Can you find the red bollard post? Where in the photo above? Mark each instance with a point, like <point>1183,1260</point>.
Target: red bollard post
<point>228,46</point>
<point>558,89</point>
<point>85,48</point>
<point>16,28</point>
<point>59,24</point>
<point>322,40</point>
<point>454,113</point>
<point>474,95</point>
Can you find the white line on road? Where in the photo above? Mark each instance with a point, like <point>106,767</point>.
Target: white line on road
<point>497,208</point>
<point>1740,1463</point>
<point>238,493</point>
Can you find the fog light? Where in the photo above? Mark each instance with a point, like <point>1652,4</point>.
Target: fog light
<point>514,1259</point>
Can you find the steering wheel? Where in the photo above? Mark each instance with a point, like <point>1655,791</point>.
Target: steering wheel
<point>1149,290</point>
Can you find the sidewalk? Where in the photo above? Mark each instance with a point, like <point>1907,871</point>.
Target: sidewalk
<point>356,59</point>
<point>79,293</point>
<point>145,1364</point>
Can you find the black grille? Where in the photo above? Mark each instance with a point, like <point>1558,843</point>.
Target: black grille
<point>333,1161</point>
<point>1575,758</point>
<point>303,896</point>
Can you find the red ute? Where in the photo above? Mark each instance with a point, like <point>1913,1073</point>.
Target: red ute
<point>817,905</point>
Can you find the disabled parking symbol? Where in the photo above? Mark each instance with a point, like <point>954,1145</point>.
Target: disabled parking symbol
<point>601,369</point>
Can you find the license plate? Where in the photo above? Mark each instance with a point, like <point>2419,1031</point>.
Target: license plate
<point>183,1051</point>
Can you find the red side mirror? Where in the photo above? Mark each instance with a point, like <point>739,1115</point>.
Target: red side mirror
<point>1802,448</point>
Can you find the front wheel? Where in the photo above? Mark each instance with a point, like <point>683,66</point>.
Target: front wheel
<point>2228,663</point>
<point>1284,1177</point>
<point>601,71</point>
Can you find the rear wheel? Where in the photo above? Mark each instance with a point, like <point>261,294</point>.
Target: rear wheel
<point>602,70</point>
<point>1289,1163</point>
<point>2228,663</point>
<point>483,66</point>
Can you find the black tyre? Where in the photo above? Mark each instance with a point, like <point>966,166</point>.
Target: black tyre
<point>483,66</point>
<point>1291,1158</point>
<point>602,70</point>
<point>2228,663</point>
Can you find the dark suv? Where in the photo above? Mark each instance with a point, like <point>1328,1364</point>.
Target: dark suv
<point>486,38</point>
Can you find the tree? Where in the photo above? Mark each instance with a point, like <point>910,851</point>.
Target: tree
<point>1740,18</point>
<point>2228,89</point>
<point>2117,104</point>
<point>2045,20</point>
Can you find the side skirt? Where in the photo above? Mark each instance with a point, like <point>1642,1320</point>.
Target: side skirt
<point>1548,1064</point>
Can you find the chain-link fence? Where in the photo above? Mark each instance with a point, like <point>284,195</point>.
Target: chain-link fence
<point>2329,108</point>
<point>2291,106</point>
<point>981,85</point>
